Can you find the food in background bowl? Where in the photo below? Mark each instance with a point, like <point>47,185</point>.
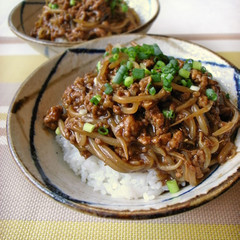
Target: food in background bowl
<point>143,111</point>
<point>74,20</point>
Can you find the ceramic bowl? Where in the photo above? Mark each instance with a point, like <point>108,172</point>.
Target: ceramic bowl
<point>22,18</point>
<point>39,156</point>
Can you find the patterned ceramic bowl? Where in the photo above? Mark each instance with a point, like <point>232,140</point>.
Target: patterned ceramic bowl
<point>39,156</point>
<point>24,15</point>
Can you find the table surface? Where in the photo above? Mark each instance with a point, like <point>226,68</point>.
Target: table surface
<point>26,213</point>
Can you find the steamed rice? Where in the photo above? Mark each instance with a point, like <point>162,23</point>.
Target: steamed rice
<point>107,181</point>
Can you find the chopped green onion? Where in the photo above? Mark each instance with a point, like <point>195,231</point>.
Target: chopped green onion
<point>147,49</point>
<point>103,130</point>
<point>114,57</point>
<point>57,131</point>
<point>203,69</point>
<point>227,96</point>
<point>173,63</point>
<point>168,89</point>
<point>148,86</point>
<point>115,50</point>
<point>152,91</point>
<point>143,55</point>
<point>88,127</point>
<point>98,66</point>
<point>169,114</point>
<point>184,73</point>
<point>120,74</point>
<point>153,71</point>
<point>184,82</point>
<point>169,77</point>
<point>167,81</point>
<point>197,65</point>
<point>53,5</point>
<point>129,65</point>
<point>132,53</point>
<point>124,7</point>
<point>95,99</point>
<point>72,2</point>
<point>128,81</point>
<point>147,72</point>
<point>187,66</point>
<point>172,186</point>
<point>156,77</point>
<point>108,88</point>
<point>159,64</point>
<point>138,73</point>
<point>156,50</point>
<point>106,54</point>
<point>210,93</point>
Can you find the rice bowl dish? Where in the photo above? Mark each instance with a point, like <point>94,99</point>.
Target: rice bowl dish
<point>45,166</point>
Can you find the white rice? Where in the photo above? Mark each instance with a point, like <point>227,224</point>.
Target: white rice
<point>108,181</point>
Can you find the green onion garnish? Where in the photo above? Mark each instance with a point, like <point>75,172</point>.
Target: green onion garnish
<point>173,63</point>
<point>187,66</point>
<point>72,2</point>
<point>98,66</point>
<point>115,50</point>
<point>156,77</point>
<point>103,130</point>
<point>138,73</point>
<point>88,127</point>
<point>184,73</point>
<point>132,53</point>
<point>168,89</point>
<point>203,69</point>
<point>53,5</point>
<point>124,7</point>
<point>106,54</point>
<point>129,65</point>
<point>128,81</point>
<point>95,99</point>
<point>172,186</point>
<point>156,50</point>
<point>227,96</point>
<point>120,74</point>
<point>114,57</point>
<point>167,81</point>
<point>147,72</point>
<point>152,90</point>
<point>169,114</point>
<point>186,82</point>
<point>57,131</point>
<point>159,64</point>
<point>210,93</point>
<point>197,65</point>
<point>108,88</point>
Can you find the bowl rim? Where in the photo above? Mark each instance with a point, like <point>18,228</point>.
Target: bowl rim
<point>120,214</point>
<point>65,44</point>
